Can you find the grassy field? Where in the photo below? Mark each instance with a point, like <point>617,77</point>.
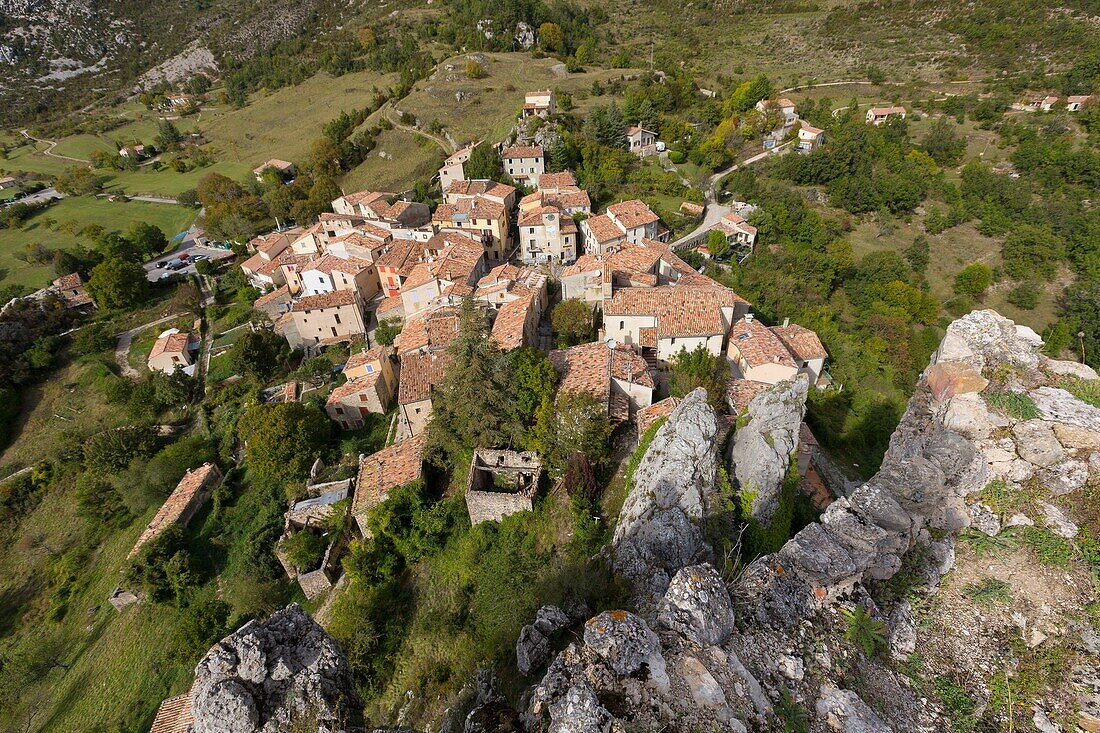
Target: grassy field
<point>407,158</point>
<point>82,146</point>
<point>26,159</point>
<point>83,211</point>
<point>169,183</point>
<point>284,123</point>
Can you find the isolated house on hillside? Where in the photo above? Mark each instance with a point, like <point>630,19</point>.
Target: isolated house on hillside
<point>190,493</point>
<point>642,142</point>
<point>1076,102</point>
<point>878,115</point>
<point>284,168</point>
<point>70,289</point>
<point>783,106</point>
<point>1047,103</point>
<point>174,349</point>
<point>810,138</point>
<point>540,103</point>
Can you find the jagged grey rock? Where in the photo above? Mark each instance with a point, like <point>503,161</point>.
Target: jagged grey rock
<point>1057,520</point>
<point>661,525</point>
<point>533,644</point>
<point>579,711</point>
<point>626,644</point>
<point>902,631</point>
<point>697,605</point>
<point>1058,405</point>
<point>1036,443</point>
<point>984,520</point>
<point>844,711</point>
<point>763,446</point>
<point>268,674</point>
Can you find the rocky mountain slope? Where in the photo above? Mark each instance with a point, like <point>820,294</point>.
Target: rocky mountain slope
<point>932,598</point>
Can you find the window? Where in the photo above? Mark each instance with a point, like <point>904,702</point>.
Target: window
<point>334,331</point>
<point>622,325</point>
<point>416,410</point>
<point>339,410</point>
<point>370,368</point>
<point>362,398</point>
<point>337,317</point>
<point>673,340</point>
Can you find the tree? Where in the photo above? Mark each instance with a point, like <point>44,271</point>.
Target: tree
<point>474,70</point>
<point>305,549</point>
<point>1032,251</point>
<point>534,378</point>
<point>148,239</point>
<point>99,502</point>
<point>283,441</point>
<point>93,338</point>
<point>78,181</point>
<point>700,368</point>
<point>387,331</point>
<point>1025,295</point>
<point>551,37</point>
<point>917,254</point>
<point>573,323</point>
<point>945,147</point>
<point>576,423</point>
<point>973,279</point>
<point>117,283</point>
<point>717,244</point>
<point>472,404</point>
<point>168,135</point>
<point>258,354</point>
<point>484,163</point>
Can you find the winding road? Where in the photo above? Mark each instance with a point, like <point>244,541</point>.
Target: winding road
<point>122,351</point>
<point>50,145</point>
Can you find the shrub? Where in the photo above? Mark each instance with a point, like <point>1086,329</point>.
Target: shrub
<point>676,156</point>
<point>973,279</point>
<point>862,629</point>
<point>305,549</point>
<point>1025,296</point>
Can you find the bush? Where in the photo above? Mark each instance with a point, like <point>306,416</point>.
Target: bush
<point>1025,296</point>
<point>305,550</point>
<point>973,279</point>
<point>676,156</point>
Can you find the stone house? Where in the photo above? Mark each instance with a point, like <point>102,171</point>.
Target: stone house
<point>328,318</point>
<point>805,347</point>
<point>370,386</point>
<point>395,263</point>
<point>275,303</point>
<point>70,289</point>
<point>539,103</point>
<point>547,234</point>
<point>453,168</point>
<point>642,142</point>
<point>878,115</point>
<point>739,233</point>
<point>174,349</point>
<point>453,263</point>
<point>312,514</point>
<point>524,163</point>
<point>1077,101</point>
<point>330,273</point>
<point>810,138</point>
<point>190,494</point>
<point>500,193</point>
<point>627,222</point>
<point>1047,103</point>
<point>594,278</point>
<point>480,217</point>
<point>758,354</point>
<point>381,472</point>
<point>618,377</point>
<point>419,372</point>
<point>283,167</point>
<point>660,321</point>
<point>432,329</point>
<point>501,483</point>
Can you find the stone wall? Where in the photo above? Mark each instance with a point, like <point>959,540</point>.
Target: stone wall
<point>492,506</point>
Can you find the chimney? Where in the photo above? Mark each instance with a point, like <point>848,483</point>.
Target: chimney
<point>749,317</point>
<point>786,322</point>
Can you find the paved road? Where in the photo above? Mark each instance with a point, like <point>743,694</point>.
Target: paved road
<point>122,350</point>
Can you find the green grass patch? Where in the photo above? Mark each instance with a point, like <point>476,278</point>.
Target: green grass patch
<point>989,592</point>
<point>1013,404</point>
<point>79,212</point>
<point>220,368</point>
<point>82,146</point>
<point>1086,390</point>
<point>1049,549</point>
<point>1005,498</point>
<point>959,706</point>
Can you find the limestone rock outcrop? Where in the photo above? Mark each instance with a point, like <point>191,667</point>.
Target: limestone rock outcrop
<point>765,441</point>
<point>271,674</point>
<point>661,526</point>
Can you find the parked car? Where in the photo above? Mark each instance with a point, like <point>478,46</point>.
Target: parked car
<point>165,276</point>
<point>184,256</point>
<point>162,264</point>
<point>196,258</point>
<point>177,265</point>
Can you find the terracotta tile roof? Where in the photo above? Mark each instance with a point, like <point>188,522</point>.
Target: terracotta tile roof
<point>419,372</point>
<point>784,102</point>
<point>365,383</point>
<point>883,111</point>
<point>174,715</point>
<point>560,179</point>
<point>171,343</point>
<point>680,310</point>
<point>508,328</point>
<point>757,344</point>
<point>633,213</point>
<point>367,236</point>
<point>331,263</point>
<point>326,300</point>
<point>389,304</point>
<point>349,219</point>
<point>565,198</point>
<point>523,151</point>
<point>177,503</point>
<point>282,165</point>
<point>603,229</point>
<point>635,129</point>
<point>458,259</point>
<point>273,240</point>
<point>810,129</point>
<point>536,217</point>
<point>401,254</point>
<point>1078,98</point>
<point>366,197</point>
<point>480,187</point>
<point>68,282</point>
<point>359,358</point>
<point>431,329</point>
<point>385,470</point>
<point>800,341</point>
<point>474,207</point>
<point>652,413</point>
<point>275,294</point>
<point>584,369</point>
<point>509,276</point>
<point>739,392</point>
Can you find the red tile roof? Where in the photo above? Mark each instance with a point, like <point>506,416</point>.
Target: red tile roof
<point>431,329</point>
<point>587,369</point>
<point>475,207</point>
<point>633,213</point>
<point>739,392</point>
<point>419,372</point>
<point>331,263</point>
<point>560,179</point>
<point>757,344</point>
<point>174,715</point>
<point>334,299</point>
<point>523,151</point>
<point>603,229</point>
<point>801,342</point>
<point>385,470</point>
<point>480,188</point>
<point>680,310</point>
<point>68,282</point>
<point>277,293</point>
<point>177,503</point>
<point>508,328</point>
<point>172,343</point>
<point>652,413</point>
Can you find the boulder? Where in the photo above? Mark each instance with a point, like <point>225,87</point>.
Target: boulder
<point>266,674</point>
<point>901,631</point>
<point>697,606</point>
<point>1065,477</point>
<point>763,446</point>
<point>845,712</point>
<point>1077,438</point>
<point>661,526</point>
<point>1057,520</point>
<point>986,337</point>
<point>1069,369</point>
<point>1058,405</point>
<point>1036,443</point>
<point>579,711</point>
<point>532,649</point>
<point>984,520</point>
<point>954,378</point>
<point>626,645</point>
